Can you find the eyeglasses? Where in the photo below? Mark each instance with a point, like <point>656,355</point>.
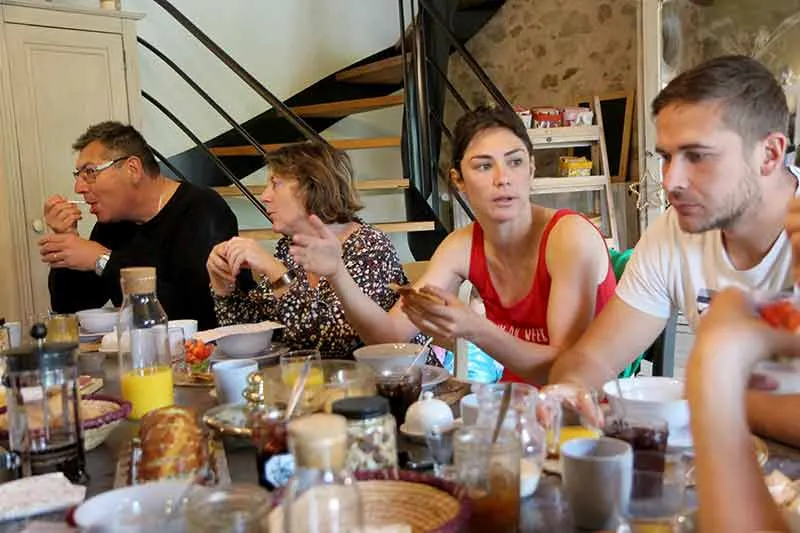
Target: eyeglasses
<point>88,173</point>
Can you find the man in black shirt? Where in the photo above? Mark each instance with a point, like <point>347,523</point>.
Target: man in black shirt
<point>143,219</point>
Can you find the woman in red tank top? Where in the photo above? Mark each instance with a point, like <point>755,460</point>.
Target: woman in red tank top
<point>543,274</point>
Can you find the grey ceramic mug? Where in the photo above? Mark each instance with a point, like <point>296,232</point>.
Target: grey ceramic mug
<point>597,476</point>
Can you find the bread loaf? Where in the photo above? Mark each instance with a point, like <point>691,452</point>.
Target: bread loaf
<point>172,444</point>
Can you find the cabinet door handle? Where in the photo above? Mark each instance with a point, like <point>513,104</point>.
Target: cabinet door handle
<point>38,225</point>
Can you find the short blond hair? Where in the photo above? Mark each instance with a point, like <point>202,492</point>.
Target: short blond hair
<point>325,176</point>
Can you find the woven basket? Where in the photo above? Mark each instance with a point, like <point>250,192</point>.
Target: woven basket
<point>425,503</point>
<point>94,437</point>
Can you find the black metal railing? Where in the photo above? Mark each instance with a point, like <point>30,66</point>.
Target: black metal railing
<point>424,113</point>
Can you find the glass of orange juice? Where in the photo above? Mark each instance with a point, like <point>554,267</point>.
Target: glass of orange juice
<point>292,363</point>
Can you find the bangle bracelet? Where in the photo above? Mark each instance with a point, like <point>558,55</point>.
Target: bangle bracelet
<point>284,281</point>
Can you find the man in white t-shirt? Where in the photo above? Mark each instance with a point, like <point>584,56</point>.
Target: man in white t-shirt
<point>722,134</point>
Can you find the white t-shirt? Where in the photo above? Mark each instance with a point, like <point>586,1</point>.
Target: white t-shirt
<point>671,270</point>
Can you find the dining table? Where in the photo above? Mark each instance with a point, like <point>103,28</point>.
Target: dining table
<point>546,510</point>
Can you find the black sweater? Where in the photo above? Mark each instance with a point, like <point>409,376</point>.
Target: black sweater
<point>177,241</point>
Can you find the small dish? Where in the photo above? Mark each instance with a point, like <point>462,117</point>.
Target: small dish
<point>275,351</point>
<point>420,437</point>
<point>229,419</point>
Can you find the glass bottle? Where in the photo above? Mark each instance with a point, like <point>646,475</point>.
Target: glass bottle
<point>144,358</point>
<point>322,496</point>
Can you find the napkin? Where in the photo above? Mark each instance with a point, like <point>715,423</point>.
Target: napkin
<point>211,335</point>
<point>37,495</point>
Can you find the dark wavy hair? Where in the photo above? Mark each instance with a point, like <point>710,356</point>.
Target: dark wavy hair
<point>483,118</point>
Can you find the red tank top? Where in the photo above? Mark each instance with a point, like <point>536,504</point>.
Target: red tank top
<point>527,319</point>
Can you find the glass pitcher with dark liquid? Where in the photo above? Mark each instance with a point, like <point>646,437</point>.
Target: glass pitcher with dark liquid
<point>44,419</point>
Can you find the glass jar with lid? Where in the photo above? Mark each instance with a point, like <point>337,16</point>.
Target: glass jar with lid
<point>371,432</point>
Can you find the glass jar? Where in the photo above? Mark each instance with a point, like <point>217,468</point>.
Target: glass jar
<point>145,363</point>
<point>274,463</point>
<point>322,496</point>
<point>371,432</point>
<point>44,422</point>
<point>490,474</point>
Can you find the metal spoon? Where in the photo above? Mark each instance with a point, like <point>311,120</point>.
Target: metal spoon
<point>419,354</point>
<point>501,415</point>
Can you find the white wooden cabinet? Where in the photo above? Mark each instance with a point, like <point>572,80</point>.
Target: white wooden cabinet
<point>61,69</point>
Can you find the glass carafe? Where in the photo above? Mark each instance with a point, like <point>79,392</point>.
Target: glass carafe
<point>322,497</point>
<point>44,419</point>
<point>143,338</point>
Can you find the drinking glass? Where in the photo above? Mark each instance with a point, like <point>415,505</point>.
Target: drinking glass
<point>62,328</point>
<point>238,508</point>
<point>658,498</point>
<point>489,472</point>
<point>440,444</point>
<point>177,349</point>
<point>400,385</point>
<point>292,363</point>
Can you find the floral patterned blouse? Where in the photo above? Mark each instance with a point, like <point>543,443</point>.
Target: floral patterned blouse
<point>314,316</point>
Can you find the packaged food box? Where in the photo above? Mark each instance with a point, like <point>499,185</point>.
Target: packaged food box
<point>547,117</point>
<point>569,166</point>
<point>577,116</point>
<point>524,115</point>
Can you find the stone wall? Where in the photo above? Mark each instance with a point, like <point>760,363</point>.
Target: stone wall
<point>551,52</point>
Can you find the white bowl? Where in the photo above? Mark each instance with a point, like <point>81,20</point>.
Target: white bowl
<point>189,327</point>
<point>98,320</point>
<point>245,344</point>
<point>383,356</point>
<point>135,508</point>
<point>654,397</point>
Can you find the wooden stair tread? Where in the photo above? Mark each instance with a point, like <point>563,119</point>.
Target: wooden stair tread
<point>362,185</point>
<point>341,144</point>
<point>387,227</point>
<point>386,71</point>
<point>348,107</point>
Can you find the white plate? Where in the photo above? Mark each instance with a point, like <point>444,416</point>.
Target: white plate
<point>433,375</point>
<point>275,351</point>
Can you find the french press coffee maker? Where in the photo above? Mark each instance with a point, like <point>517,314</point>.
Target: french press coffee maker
<point>42,393</point>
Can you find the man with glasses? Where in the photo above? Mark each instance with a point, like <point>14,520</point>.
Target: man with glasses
<point>722,134</point>
<point>143,219</point>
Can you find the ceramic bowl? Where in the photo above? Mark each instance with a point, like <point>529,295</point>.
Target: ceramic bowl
<point>383,356</point>
<point>653,397</point>
<point>98,320</point>
<point>245,344</point>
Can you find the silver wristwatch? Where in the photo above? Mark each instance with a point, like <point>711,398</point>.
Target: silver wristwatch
<point>100,264</point>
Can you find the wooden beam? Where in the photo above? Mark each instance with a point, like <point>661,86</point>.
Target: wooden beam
<point>348,107</point>
<point>386,227</point>
<point>341,144</point>
<point>386,71</point>
<point>361,185</point>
